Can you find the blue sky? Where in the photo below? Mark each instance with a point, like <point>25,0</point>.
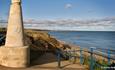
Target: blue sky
<point>51,9</point>
<point>65,14</point>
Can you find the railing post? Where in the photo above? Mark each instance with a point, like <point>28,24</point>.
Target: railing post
<point>91,57</point>
<point>59,60</point>
<point>109,56</point>
<point>81,57</point>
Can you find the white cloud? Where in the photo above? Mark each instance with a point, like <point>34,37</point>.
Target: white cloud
<point>67,6</point>
<point>105,24</point>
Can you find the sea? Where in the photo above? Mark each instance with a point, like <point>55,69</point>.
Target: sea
<point>87,39</point>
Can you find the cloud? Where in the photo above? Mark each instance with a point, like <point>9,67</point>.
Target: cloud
<point>105,24</point>
<point>67,6</point>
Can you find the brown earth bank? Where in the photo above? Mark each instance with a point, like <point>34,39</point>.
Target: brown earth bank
<point>41,42</point>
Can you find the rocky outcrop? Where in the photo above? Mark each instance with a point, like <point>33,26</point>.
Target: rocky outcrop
<point>41,42</point>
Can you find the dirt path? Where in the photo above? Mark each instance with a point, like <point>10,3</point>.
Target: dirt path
<point>48,62</point>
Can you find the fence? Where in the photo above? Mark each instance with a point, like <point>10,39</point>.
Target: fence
<point>2,39</point>
<point>92,60</point>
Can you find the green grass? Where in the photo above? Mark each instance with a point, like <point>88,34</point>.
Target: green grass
<point>101,63</point>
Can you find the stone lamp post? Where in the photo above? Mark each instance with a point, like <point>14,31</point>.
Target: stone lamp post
<point>15,53</point>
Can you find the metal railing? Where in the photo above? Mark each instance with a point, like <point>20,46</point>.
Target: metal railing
<point>106,53</point>
<point>93,63</point>
<point>2,39</point>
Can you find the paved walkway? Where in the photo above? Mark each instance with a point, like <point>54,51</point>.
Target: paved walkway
<point>48,62</point>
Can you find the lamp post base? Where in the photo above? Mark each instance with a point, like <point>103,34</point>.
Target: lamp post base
<point>14,56</point>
